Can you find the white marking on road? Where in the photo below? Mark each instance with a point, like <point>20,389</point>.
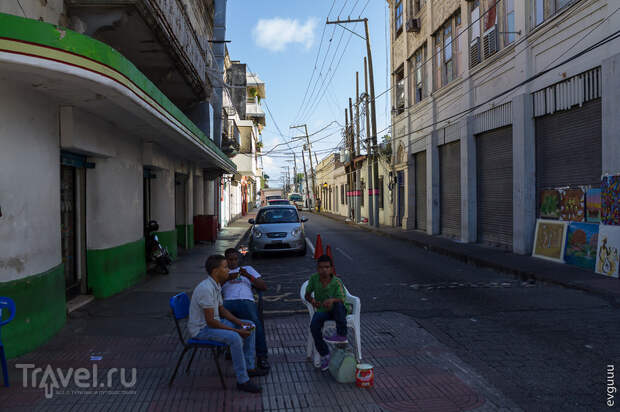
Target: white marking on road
<point>345,255</point>
<point>310,246</point>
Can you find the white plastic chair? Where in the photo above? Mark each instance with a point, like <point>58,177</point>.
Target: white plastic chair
<point>353,321</point>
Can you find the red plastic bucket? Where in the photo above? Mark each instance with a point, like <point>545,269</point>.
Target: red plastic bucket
<point>364,375</point>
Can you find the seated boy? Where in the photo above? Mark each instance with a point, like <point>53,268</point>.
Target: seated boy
<point>329,302</point>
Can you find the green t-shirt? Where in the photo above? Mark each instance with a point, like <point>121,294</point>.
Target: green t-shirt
<point>334,289</point>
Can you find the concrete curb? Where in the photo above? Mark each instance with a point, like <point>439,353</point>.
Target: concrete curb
<point>524,275</point>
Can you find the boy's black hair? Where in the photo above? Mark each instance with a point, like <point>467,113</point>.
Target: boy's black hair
<point>213,262</point>
<point>230,251</point>
<point>325,258</point>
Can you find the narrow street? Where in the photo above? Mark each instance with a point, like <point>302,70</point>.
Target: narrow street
<point>538,344</point>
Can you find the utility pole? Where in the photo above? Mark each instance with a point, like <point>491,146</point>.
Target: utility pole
<point>371,192</point>
<point>347,133</point>
<point>303,158</point>
<point>372,104</point>
<point>297,189</point>
<point>309,153</point>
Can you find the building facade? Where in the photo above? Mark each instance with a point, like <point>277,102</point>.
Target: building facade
<point>494,102</point>
<point>107,124</point>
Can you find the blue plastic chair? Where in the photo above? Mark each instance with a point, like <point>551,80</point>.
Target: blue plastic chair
<point>179,304</point>
<point>5,304</point>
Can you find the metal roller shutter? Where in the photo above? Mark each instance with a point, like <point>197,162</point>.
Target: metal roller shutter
<point>569,147</point>
<point>450,194</point>
<point>420,190</point>
<point>494,187</point>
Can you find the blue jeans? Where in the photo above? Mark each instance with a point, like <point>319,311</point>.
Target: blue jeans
<point>241,350</point>
<point>247,309</point>
<point>337,313</point>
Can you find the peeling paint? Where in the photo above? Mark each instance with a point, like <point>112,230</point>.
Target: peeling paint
<point>62,33</point>
<point>13,263</point>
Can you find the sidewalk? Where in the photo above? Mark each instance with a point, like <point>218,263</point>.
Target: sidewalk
<point>524,266</point>
<point>413,370</point>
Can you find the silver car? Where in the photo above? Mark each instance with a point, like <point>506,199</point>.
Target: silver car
<point>278,228</point>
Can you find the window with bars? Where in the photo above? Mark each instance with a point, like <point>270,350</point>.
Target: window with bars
<point>446,50</point>
<point>399,92</point>
<point>417,75</point>
<point>544,9</point>
<point>398,17</point>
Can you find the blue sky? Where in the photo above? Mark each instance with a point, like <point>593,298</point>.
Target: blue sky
<point>280,41</point>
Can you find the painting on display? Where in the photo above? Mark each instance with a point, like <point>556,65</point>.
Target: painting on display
<point>608,250</point>
<point>550,240</point>
<point>572,205</point>
<point>593,205</point>
<point>610,200</point>
<point>581,245</point>
<point>550,204</point>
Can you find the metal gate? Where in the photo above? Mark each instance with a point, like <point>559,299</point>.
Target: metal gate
<point>569,147</point>
<point>450,192</point>
<point>420,190</point>
<point>494,187</point>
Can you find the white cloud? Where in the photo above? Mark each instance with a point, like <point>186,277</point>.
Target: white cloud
<point>277,33</point>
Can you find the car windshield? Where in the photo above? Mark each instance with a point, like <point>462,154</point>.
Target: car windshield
<point>277,215</point>
<point>295,198</point>
<point>278,202</point>
<point>273,197</point>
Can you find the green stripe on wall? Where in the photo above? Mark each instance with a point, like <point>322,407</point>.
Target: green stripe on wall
<point>33,31</point>
<point>113,270</point>
<point>40,310</point>
<point>181,236</point>
<point>169,241</point>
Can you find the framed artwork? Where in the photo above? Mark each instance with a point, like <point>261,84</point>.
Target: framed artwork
<point>610,200</point>
<point>550,204</point>
<point>550,240</point>
<point>608,250</point>
<point>573,205</point>
<point>593,205</point>
<point>581,245</point>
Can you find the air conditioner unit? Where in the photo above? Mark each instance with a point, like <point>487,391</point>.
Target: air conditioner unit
<point>413,25</point>
<point>490,42</point>
<point>474,52</point>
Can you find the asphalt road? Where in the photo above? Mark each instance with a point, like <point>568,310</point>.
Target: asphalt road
<point>544,346</point>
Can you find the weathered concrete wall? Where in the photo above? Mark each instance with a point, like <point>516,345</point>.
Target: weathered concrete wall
<point>114,188</point>
<point>29,183</point>
<point>49,11</point>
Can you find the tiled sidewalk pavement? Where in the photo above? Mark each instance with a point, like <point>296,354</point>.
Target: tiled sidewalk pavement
<point>413,372</point>
<point>134,330</point>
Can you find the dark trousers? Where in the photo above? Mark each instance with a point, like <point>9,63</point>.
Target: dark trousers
<point>247,309</point>
<point>338,313</point>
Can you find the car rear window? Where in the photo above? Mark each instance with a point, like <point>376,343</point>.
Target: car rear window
<point>277,215</point>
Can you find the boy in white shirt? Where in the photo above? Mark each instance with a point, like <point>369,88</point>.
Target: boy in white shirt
<point>239,300</point>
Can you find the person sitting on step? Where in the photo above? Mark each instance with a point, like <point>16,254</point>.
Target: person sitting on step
<point>239,299</point>
<point>329,302</point>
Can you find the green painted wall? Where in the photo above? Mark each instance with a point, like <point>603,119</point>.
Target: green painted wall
<point>181,236</point>
<point>40,310</point>
<point>169,240</point>
<point>113,270</point>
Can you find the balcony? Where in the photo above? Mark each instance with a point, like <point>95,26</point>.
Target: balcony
<point>165,40</point>
<point>255,92</point>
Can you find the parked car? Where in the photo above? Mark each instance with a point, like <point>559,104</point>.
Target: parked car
<point>274,202</point>
<point>278,228</point>
<point>297,200</point>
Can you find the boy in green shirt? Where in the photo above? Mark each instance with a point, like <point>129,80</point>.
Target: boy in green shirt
<point>329,303</point>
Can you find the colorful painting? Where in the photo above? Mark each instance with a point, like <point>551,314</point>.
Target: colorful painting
<point>550,204</point>
<point>550,240</point>
<point>581,245</point>
<point>610,200</point>
<point>608,250</point>
<point>573,205</point>
<point>593,205</point>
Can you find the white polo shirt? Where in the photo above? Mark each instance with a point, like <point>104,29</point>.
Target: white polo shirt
<point>240,288</point>
<point>207,295</point>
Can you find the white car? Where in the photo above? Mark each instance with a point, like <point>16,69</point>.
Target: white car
<point>278,229</point>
